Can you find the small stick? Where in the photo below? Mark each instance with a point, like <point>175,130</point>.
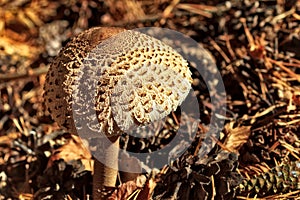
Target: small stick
<point>30,73</point>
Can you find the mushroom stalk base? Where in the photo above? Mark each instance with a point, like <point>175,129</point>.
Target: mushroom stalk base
<point>106,176</point>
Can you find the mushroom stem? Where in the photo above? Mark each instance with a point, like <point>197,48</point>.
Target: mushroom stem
<point>105,171</point>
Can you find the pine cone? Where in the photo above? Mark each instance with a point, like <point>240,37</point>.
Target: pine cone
<point>283,178</point>
<point>215,179</point>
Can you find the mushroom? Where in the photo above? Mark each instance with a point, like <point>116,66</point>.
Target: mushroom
<point>139,80</point>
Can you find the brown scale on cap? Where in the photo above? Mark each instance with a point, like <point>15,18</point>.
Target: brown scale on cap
<point>139,79</point>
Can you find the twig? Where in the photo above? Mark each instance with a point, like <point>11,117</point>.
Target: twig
<point>218,48</point>
<point>199,9</point>
<point>227,39</point>
<point>287,70</point>
<point>30,73</point>
<point>141,20</point>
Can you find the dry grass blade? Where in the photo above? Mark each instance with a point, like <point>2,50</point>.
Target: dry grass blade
<point>199,9</point>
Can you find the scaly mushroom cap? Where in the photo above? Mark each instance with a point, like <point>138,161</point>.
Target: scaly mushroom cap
<point>139,80</point>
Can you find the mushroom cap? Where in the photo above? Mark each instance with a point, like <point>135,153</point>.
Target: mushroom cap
<point>63,71</point>
<point>138,80</point>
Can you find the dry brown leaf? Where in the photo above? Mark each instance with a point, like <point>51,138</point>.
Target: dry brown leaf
<point>138,189</point>
<point>123,191</point>
<point>296,98</point>
<point>236,137</point>
<point>144,194</point>
<point>12,47</point>
<point>73,150</point>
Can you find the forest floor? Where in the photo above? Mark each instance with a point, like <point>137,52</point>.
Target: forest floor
<point>256,47</point>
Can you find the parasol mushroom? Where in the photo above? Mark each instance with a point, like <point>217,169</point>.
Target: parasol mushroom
<point>143,81</point>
